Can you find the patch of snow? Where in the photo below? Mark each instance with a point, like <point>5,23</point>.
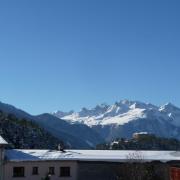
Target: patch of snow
<point>2,141</point>
<point>140,133</point>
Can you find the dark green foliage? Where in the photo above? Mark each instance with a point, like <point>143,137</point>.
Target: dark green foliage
<point>145,142</point>
<point>20,133</point>
<point>139,171</point>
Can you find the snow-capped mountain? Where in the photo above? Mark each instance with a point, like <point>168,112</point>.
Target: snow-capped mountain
<point>61,114</point>
<point>172,112</point>
<point>89,127</point>
<point>121,113</point>
<point>126,117</point>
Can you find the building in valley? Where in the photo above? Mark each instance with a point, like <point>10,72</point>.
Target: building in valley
<point>21,164</point>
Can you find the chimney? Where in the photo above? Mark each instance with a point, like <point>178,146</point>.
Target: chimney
<point>60,148</point>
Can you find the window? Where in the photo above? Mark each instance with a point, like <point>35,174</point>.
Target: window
<point>18,172</point>
<point>51,170</point>
<point>65,171</point>
<point>35,170</point>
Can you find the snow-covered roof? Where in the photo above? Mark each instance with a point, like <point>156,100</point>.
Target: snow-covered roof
<point>140,133</point>
<point>2,141</point>
<point>91,155</point>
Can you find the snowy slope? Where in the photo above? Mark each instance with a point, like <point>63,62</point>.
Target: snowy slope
<point>172,112</point>
<point>124,118</point>
<point>123,112</point>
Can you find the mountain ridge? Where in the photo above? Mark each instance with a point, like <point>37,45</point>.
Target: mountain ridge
<point>75,136</point>
<point>119,111</point>
<point>125,117</point>
<point>89,127</point>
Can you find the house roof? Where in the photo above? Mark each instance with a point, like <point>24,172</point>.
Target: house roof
<point>2,141</point>
<point>91,155</point>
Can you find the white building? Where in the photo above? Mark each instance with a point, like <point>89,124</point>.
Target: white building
<point>21,164</point>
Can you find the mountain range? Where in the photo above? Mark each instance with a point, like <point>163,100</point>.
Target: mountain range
<point>88,127</point>
<point>125,117</point>
<point>73,135</point>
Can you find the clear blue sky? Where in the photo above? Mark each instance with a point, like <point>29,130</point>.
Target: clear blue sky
<point>66,54</point>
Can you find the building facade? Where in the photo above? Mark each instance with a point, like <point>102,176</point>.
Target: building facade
<point>3,143</point>
<point>31,164</point>
<point>38,170</point>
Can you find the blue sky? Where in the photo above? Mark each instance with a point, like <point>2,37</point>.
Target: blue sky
<point>68,54</point>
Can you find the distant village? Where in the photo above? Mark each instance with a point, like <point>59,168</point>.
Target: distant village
<point>141,141</point>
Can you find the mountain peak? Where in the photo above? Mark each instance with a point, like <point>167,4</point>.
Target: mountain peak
<point>169,104</point>
<point>61,114</point>
<point>123,112</point>
<point>125,101</point>
<point>169,107</point>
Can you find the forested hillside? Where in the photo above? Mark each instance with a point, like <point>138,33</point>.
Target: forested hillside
<point>20,133</point>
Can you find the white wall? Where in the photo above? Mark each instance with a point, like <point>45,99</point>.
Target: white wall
<point>43,170</point>
<point>1,161</point>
